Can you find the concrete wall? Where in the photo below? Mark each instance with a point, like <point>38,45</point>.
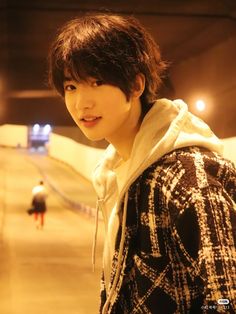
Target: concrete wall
<point>80,157</point>
<point>14,135</point>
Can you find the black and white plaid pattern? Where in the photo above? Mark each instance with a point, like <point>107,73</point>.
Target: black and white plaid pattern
<point>179,253</point>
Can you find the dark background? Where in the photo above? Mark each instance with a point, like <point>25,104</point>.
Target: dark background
<point>198,37</point>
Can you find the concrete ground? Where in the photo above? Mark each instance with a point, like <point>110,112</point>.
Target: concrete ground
<point>46,271</point>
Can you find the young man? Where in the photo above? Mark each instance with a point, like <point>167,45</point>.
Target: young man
<point>166,194</point>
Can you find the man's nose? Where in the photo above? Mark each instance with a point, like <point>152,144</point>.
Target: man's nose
<point>84,99</point>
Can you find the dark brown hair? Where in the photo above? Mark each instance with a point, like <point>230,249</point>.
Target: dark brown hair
<point>110,48</point>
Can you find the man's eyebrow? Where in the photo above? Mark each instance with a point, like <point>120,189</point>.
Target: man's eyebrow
<point>67,78</point>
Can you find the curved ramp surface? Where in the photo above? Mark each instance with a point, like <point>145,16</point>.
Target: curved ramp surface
<point>46,271</point>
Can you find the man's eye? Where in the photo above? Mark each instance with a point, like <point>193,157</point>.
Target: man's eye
<point>97,83</point>
<point>69,87</point>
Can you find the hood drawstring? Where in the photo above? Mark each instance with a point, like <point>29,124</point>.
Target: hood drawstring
<point>98,207</point>
<point>120,256</point>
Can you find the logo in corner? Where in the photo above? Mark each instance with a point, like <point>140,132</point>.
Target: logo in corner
<point>223,301</point>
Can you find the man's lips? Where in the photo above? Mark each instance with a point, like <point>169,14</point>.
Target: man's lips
<point>90,118</point>
<point>89,121</point>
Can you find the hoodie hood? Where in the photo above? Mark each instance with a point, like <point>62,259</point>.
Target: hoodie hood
<point>167,126</point>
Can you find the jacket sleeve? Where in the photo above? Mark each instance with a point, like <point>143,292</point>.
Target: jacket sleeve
<point>203,220</point>
<point>213,245</point>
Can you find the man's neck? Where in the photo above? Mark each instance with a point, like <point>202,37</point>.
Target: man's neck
<point>123,139</point>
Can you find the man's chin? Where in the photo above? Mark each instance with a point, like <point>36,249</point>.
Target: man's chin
<point>94,138</point>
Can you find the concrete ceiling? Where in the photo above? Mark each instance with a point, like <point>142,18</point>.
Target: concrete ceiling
<point>183,28</point>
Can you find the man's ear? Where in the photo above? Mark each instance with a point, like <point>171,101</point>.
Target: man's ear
<point>139,85</point>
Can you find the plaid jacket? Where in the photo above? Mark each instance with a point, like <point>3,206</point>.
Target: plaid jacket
<point>179,250</point>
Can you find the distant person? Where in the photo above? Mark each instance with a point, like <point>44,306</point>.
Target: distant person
<point>39,193</point>
<point>166,193</point>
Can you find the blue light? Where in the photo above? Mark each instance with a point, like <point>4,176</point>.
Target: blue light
<point>36,128</point>
<point>46,129</point>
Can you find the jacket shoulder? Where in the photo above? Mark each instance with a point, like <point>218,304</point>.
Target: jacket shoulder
<point>188,169</point>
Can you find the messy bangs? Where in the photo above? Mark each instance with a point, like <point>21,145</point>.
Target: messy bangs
<point>81,66</point>
<point>109,48</point>
<point>91,53</point>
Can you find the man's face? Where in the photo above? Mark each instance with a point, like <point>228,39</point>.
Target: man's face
<point>101,111</point>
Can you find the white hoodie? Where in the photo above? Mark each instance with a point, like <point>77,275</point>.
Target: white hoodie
<point>167,126</point>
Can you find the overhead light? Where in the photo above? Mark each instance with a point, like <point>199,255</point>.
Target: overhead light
<point>200,105</point>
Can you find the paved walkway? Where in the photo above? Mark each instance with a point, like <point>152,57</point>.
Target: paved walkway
<point>46,271</point>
